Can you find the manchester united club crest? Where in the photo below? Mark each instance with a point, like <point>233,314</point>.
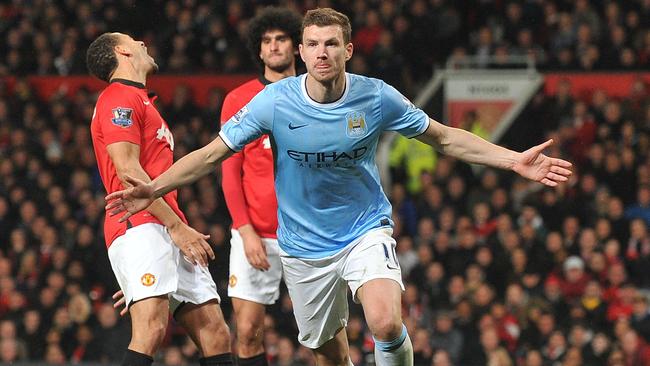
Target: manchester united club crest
<point>148,279</point>
<point>122,117</point>
<point>356,124</point>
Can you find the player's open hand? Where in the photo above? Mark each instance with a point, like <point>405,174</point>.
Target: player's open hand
<point>254,248</point>
<point>131,200</point>
<point>534,165</point>
<point>193,244</point>
<point>120,300</point>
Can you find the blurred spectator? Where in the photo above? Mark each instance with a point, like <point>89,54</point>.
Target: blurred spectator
<point>598,351</point>
<point>641,316</point>
<point>441,358</point>
<point>446,337</point>
<point>533,358</point>
<point>422,348</point>
<point>556,347</point>
<point>575,278</point>
<point>636,351</point>
<point>594,307</point>
<point>622,306</point>
<point>409,159</point>
<point>492,258</point>
<point>406,255</point>
<point>173,357</point>
<point>9,351</point>
<point>493,354</point>
<point>367,36</point>
<point>286,353</point>
<point>113,334</point>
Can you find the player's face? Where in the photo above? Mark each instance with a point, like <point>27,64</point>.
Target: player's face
<point>138,52</point>
<point>276,50</point>
<point>324,52</point>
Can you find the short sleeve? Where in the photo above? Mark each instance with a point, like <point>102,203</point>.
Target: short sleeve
<point>399,114</point>
<point>252,121</point>
<point>120,116</point>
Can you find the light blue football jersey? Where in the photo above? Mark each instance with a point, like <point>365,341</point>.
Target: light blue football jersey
<point>326,179</point>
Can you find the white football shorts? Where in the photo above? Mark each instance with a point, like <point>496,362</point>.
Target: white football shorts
<point>146,263</point>
<point>248,283</point>
<point>318,287</point>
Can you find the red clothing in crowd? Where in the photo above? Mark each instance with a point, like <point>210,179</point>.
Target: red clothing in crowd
<point>641,357</point>
<point>574,290</point>
<point>367,38</point>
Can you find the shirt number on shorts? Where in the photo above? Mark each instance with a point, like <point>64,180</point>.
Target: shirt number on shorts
<point>389,251</point>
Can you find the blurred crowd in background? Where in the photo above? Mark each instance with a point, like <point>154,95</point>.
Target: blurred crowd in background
<point>497,270</point>
<point>398,41</point>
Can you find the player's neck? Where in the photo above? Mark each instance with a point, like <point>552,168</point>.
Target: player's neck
<point>326,92</point>
<point>130,74</point>
<point>273,76</point>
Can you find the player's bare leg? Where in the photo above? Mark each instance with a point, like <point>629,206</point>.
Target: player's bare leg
<point>381,300</point>
<point>148,326</point>
<point>206,326</point>
<point>334,352</point>
<point>249,317</point>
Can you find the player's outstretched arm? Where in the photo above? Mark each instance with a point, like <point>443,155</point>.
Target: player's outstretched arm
<point>186,170</point>
<point>531,164</point>
<point>126,159</point>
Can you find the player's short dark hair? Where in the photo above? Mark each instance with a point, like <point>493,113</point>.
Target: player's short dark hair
<point>101,59</point>
<point>323,17</point>
<point>272,18</point>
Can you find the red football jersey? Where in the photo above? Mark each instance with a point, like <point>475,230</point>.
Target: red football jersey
<point>124,112</point>
<point>248,175</point>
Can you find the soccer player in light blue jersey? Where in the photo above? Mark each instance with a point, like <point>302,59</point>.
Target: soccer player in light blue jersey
<point>334,219</point>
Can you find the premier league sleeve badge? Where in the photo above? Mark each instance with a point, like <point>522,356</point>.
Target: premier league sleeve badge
<point>122,117</point>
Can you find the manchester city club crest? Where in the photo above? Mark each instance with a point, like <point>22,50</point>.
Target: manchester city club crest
<point>356,124</point>
<point>122,117</point>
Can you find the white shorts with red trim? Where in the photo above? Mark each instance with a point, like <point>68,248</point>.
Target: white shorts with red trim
<point>249,283</point>
<point>146,263</point>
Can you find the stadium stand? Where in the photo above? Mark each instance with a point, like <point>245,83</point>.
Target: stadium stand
<point>498,271</point>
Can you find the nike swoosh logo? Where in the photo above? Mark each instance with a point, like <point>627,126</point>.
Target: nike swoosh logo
<point>292,127</point>
<point>146,102</point>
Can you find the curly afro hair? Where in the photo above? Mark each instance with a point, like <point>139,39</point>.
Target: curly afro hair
<point>272,18</point>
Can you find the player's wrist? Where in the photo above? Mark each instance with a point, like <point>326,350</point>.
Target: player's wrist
<point>246,230</point>
<point>514,162</point>
<point>156,191</point>
<point>175,225</point>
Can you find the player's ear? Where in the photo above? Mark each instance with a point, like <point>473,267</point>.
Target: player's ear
<point>300,50</point>
<point>349,50</point>
<point>121,50</point>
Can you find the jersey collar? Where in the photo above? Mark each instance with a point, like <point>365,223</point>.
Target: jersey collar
<point>264,80</point>
<point>303,87</point>
<point>128,82</point>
